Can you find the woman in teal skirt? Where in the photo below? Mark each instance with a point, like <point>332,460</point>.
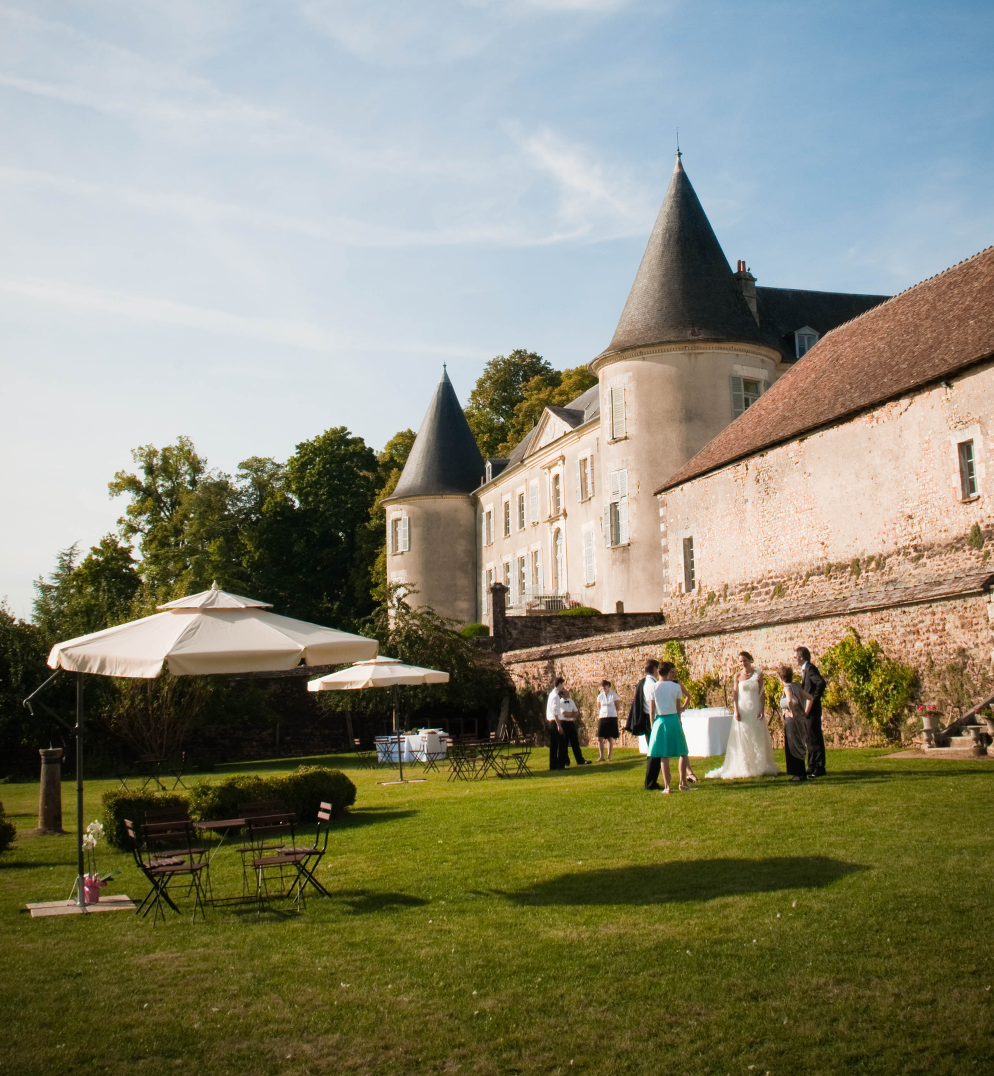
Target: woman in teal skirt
<point>667,740</point>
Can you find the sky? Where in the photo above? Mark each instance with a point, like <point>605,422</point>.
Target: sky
<point>249,222</point>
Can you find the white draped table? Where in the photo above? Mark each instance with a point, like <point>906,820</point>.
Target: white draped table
<point>706,730</point>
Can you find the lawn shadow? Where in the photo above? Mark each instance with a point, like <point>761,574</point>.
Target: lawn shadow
<point>684,880</point>
<point>364,902</point>
<point>368,816</point>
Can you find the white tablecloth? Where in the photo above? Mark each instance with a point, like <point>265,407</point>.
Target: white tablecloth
<point>706,730</point>
<point>434,740</point>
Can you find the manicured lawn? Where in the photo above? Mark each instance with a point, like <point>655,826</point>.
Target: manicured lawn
<point>563,923</point>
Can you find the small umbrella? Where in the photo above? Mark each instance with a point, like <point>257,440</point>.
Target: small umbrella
<point>379,672</point>
<point>208,633</point>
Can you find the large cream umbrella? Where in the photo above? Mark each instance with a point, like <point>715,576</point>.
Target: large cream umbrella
<point>208,633</point>
<point>380,672</point>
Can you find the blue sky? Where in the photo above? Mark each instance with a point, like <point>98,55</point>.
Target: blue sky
<point>247,222</point>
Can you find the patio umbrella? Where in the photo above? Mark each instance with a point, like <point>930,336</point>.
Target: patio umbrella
<point>380,672</point>
<point>208,633</point>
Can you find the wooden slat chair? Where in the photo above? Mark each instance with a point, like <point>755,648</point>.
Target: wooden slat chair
<point>165,852</point>
<point>520,759</point>
<point>272,849</point>
<point>365,756</point>
<point>307,858</point>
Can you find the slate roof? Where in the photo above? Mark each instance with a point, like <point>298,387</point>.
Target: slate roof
<point>782,311</point>
<point>445,458</point>
<point>684,288</point>
<point>930,331</point>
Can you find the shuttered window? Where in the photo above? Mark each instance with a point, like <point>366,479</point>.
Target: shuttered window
<point>584,479</point>
<point>533,501</point>
<point>522,579</point>
<point>967,469</point>
<point>617,402</point>
<point>689,568</point>
<point>507,519</point>
<point>745,392</point>
<point>616,510</point>
<point>405,534</point>
<point>521,511</point>
<point>395,535</point>
<point>588,556</point>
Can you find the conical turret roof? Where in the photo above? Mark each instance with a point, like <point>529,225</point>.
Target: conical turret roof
<point>684,288</point>
<point>445,458</point>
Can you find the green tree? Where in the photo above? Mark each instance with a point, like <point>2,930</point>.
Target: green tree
<point>498,392</point>
<point>554,389</point>
<point>186,518</point>
<point>308,552</point>
<point>23,650</point>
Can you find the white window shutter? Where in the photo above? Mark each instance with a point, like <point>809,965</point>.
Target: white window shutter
<point>539,581</point>
<point>623,522</point>
<point>590,476</point>
<point>607,524</point>
<point>533,501</point>
<point>588,556</point>
<point>738,398</point>
<point>579,492</point>
<point>618,412</point>
<point>615,482</point>
<point>405,534</point>
<point>622,484</point>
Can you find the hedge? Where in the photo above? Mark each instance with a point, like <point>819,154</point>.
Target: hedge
<point>8,831</point>
<point>132,803</point>
<point>302,791</point>
<point>579,610</point>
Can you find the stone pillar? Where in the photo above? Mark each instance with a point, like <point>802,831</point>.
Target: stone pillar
<point>498,617</point>
<point>50,793</point>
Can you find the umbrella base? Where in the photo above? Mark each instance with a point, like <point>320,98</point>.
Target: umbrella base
<point>404,781</point>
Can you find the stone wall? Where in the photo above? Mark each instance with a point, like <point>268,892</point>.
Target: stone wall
<point>944,631</point>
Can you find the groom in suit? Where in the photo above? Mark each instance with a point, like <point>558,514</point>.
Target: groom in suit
<point>814,684</point>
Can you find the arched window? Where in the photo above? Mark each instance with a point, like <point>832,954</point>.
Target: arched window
<point>558,563</point>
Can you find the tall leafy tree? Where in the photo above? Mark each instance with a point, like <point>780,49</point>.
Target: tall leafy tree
<point>498,392</point>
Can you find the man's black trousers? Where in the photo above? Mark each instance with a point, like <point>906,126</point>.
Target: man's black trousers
<point>572,740</point>
<point>816,743</point>
<point>558,749</point>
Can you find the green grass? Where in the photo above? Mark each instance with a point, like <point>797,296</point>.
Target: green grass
<point>565,923</point>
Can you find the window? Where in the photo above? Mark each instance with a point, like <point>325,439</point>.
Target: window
<point>558,563</point>
<point>533,501</point>
<point>745,392</point>
<point>689,575</point>
<point>506,579</point>
<point>557,494</point>
<point>588,557</point>
<point>616,510</point>
<point>400,534</point>
<point>537,582</point>
<point>488,527</point>
<point>617,412</point>
<point>967,470</point>
<point>521,510</point>
<point>507,519</point>
<point>489,472</point>
<point>488,581</point>
<point>804,340</point>
<point>584,478</point>
<point>522,579</point>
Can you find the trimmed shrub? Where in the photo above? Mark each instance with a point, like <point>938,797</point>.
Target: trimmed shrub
<point>132,803</point>
<point>474,631</point>
<point>579,610</point>
<point>301,792</point>
<point>8,831</point>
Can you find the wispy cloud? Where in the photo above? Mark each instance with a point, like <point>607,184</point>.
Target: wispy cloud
<point>288,332</point>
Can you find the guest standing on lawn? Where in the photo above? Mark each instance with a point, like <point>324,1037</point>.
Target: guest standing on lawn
<point>814,684</point>
<point>567,718</point>
<point>795,704</point>
<point>607,721</point>
<point>667,739</point>
<point>554,719</point>
<point>640,713</point>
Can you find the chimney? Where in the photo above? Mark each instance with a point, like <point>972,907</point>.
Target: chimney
<point>747,282</point>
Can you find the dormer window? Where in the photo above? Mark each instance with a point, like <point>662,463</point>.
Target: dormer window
<point>804,340</point>
<point>490,471</point>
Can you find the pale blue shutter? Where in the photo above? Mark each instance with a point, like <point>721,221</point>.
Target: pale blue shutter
<point>738,397</point>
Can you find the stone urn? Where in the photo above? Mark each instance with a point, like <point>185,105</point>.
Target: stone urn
<point>978,747</point>
<point>930,726</point>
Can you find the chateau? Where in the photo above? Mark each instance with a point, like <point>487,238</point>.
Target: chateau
<point>571,516</point>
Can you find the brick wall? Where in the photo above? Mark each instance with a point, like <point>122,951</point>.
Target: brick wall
<point>946,636</point>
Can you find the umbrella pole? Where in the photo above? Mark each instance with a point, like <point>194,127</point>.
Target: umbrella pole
<point>80,890</point>
<point>396,725</point>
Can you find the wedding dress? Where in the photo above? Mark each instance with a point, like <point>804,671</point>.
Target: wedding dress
<point>750,749</point>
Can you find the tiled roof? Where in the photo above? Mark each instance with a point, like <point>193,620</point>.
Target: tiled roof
<point>782,311</point>
<point>684,288</point>
<point>445,458</point>
<point>929,331</point>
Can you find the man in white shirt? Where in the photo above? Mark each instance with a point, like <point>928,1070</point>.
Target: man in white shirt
<point>558,749</point>
<point>567,718</point>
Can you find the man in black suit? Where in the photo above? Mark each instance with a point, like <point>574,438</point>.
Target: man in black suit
<point>814,684</point>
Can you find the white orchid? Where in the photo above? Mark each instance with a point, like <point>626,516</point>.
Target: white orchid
<point>89,841</point>
<point>95,829</point>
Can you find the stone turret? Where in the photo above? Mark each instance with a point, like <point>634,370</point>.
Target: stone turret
<point>670,380</point>
<point>431,515</point>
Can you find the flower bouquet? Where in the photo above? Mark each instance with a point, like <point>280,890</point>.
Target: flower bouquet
<point>92,882</point>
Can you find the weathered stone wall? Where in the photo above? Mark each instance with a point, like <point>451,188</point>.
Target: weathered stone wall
<point>874,502</point>
<point>528,631</point>
<point>946,638</point>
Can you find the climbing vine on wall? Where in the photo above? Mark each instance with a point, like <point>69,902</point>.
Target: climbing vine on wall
<point>697,689</point>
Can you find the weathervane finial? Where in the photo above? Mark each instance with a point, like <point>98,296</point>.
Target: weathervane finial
<point>678,153</point>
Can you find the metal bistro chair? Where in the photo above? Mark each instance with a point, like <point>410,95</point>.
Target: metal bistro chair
<point>463,762</point>
<point>520,759</point>
<point>164,852</point>
<point>306,859</point>
<point>365,756</point>
<point>272,850</point>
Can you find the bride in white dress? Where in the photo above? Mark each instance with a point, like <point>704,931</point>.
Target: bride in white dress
<point>750,749</point>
